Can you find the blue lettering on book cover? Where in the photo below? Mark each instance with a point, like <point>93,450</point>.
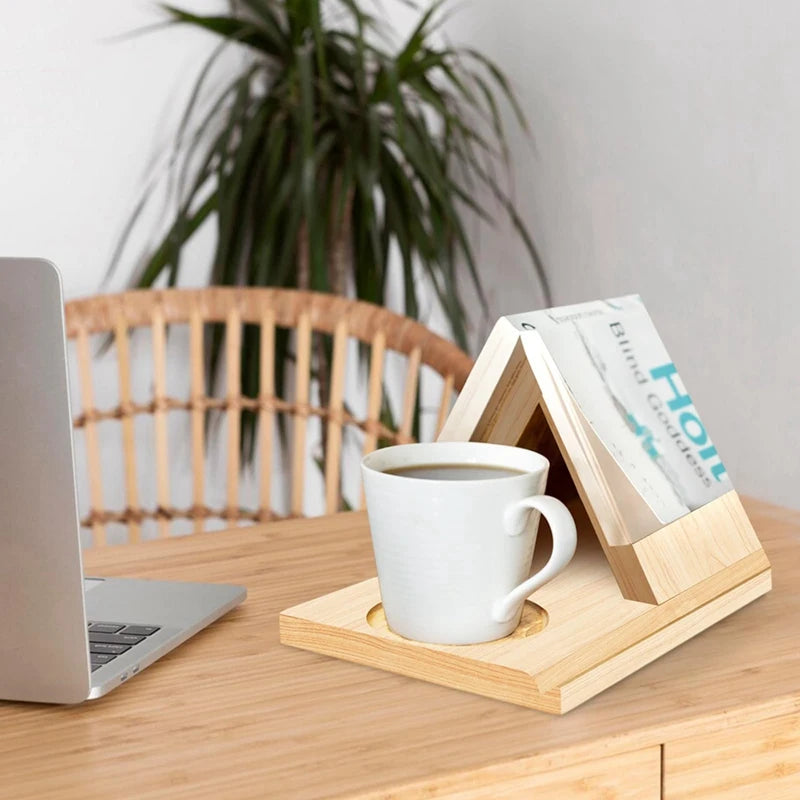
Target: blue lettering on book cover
<point>688,422</point>
<point>624,383</point>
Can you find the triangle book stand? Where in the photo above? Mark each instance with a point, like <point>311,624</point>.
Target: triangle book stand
<point>626,599</point>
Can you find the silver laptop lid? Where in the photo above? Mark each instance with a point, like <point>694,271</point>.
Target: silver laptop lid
<point>43,640</point>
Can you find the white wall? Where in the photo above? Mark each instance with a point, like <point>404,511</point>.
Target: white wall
<point>665,164</point>
<point>83,115</point>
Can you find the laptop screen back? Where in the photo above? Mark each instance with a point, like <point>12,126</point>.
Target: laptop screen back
<point>43,642</point>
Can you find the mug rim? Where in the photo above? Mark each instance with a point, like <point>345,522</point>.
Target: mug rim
<point>497,455</point>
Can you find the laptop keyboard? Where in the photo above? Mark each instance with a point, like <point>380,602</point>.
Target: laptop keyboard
<point>107,640</point>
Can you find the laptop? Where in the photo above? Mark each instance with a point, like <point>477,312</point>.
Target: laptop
<point>63,638</point>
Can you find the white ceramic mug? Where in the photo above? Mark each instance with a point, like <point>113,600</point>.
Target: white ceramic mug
<point>453,556</point>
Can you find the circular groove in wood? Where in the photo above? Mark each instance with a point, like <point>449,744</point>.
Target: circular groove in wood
<point>534,620</point>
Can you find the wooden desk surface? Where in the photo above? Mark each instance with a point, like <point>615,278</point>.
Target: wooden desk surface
<point>232,713</point>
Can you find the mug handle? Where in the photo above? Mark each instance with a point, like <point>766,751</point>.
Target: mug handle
<point>565,540</point>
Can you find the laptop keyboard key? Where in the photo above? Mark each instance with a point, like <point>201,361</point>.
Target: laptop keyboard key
<point>104,647</point>
<point>141,630</point>
<point>114,638</point>
<point>107,640</point>
<point>104,627</point>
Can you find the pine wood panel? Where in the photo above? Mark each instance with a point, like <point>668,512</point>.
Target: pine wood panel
<point>560,667</point>
<point>500,379</point>
<point>742,763</point>
<point>233,714</point>
<point>685,552</point>
<point>628,776</point>
<point>652,562</point>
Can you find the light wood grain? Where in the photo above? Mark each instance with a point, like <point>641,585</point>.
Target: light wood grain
<point>628,776</point>
<point>500,381</point>
<point>198,416</point>
<point>336,403</point>
<point>652,562</point>
<point>128,440</point>
<point>233,370</point>
<point>444,403</point>
<point>761,760</point>
<point>266,413</point>
<point>685,552</point>
<point>233,714</point>
<point>375,390</point>
<point>92,444</point>
<point>410,390</point>
<point>374,398</point>
<point>160,417</point>
<point>565,664</point>
<point>302,384</point>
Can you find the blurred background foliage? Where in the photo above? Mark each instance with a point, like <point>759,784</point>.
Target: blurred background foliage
<point>333,149</point>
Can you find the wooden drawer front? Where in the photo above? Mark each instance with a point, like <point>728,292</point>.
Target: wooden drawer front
<point>629,776</point>
<point>752,762</point>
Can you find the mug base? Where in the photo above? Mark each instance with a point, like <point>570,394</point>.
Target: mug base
<point>533,619</point>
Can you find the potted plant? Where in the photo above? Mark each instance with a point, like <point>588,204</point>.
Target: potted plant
<point>331,151</point>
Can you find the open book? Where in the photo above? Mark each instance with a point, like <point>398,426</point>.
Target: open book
<point>611,395</point>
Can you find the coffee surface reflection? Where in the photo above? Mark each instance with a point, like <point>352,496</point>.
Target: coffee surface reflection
<point>454,472</point>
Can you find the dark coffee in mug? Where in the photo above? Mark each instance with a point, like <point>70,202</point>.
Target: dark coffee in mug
<point>454,472</point>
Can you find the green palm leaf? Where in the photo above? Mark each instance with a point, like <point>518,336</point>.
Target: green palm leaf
<point>331,134</point>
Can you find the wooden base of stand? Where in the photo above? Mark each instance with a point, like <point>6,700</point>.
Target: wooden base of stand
<point>651,587</point>
<point>580,638</point>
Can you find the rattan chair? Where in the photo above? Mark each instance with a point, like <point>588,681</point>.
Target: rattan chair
<point>306,314</point>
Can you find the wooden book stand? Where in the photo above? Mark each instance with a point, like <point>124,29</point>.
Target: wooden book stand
<point>643,591</point>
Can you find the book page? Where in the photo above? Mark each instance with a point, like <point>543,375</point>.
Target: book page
<point>625,384</point>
